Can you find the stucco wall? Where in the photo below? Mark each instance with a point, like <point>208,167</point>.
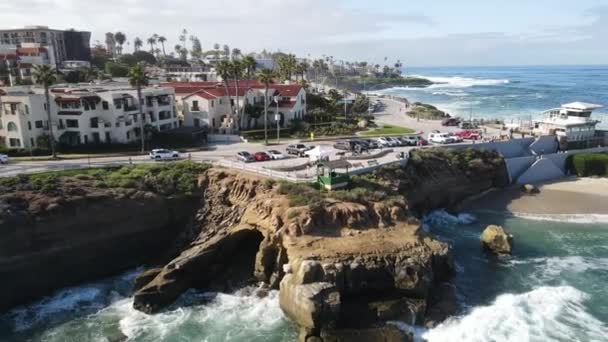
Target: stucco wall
<point>517,166</point>
<point>544,145</point>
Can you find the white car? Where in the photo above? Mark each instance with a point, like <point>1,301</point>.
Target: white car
<point>441,138</point>
<point>162,154</point>
<point>275,155</point>
<point>386,142</point>
<point>3,159</point>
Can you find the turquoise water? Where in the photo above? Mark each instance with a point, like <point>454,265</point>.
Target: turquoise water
<point>510,93</point>
<point>553,288</point>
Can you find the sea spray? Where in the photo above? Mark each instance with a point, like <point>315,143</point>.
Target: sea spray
<point>543,314</point>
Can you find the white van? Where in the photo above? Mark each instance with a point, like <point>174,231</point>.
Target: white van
<point>441,138</point>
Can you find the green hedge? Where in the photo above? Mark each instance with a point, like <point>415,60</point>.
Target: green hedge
<point>258,134</point>
<point>588,164</point>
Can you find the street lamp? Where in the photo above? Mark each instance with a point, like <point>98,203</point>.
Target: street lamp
<point>277,117</point>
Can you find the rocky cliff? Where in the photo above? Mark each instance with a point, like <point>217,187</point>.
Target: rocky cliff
<point>76,232</point>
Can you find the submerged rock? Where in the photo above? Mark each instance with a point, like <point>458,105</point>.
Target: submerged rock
<point>496,240</point>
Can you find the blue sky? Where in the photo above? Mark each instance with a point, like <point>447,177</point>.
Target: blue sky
<point>421,33</point>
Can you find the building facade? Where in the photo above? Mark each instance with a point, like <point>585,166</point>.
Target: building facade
<point>83,114</point>
<point>207,104</point>
<point>65,45</point>
<point>572,124</point>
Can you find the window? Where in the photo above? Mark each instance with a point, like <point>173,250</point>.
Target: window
<point>108,139</point>
<point>195,106</point>
<point>105,105</point>
<point>27,109</point>
<point>94,122</point>
<point>96,138</point>
<point>86,105</point>
<point>12,127</point>
<point>38,124</point>
<point>212,103</point>
<point>128,135</point>
<point>93,106</point>
<point>32,142</point>
<point>71,123</point>
<point>13,142</point>
<point>29,125</point>
<point>86,139</point>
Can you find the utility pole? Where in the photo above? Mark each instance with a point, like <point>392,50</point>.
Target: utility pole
<point>277,117</point>
<point>345,105</point>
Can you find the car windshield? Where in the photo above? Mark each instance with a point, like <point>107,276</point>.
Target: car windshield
<point>244,154</point>
<point>274,152</point>
<point>162,151</point>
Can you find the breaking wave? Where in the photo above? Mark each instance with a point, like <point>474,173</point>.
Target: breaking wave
<point>543,314</point>
<point>461,82</point>
<point>572,218</point>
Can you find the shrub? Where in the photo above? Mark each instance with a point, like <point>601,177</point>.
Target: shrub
<point>588,164</point>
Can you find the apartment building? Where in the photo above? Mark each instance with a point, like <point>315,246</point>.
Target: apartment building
<point>207,104</point>
<point>62,44</point>
<point>83,114</point>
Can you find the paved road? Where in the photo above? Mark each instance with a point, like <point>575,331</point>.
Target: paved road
<point>391,114</point>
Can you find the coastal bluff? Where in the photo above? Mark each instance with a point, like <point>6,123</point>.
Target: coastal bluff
<point>345,262</point>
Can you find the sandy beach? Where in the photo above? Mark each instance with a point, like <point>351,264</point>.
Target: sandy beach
<point>573,196</point>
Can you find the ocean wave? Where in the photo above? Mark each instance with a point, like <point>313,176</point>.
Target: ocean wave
<point>451,93</point>
<point>543,314</point>
<point>571,218</point>
<point>461,82</point>
<point>443,218</point>
<point>547,269</point>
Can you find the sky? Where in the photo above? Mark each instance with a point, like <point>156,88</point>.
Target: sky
<point>419,33</point>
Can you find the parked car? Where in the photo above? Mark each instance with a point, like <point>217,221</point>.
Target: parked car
<point>450,122</point>
<point>298,149</point>
<point>469,135</point>
<point>364,144</point>
<point>441,138</point>
<point>396,141</point>
<point>410,140</point>
<point>372,144</point>
<point>245,156</point>
<point>350,146</point>
<point>384,142</point>
<point>456,137</point>
<point>261,156</point>
<point>3,159</point>
<point>276,155</point>
<point>163,154</point>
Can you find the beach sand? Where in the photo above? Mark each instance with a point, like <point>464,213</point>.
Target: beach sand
<point>573,196</point>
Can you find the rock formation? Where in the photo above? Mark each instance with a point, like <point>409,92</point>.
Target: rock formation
<point>78,234</point>
<point>530,189</point>
<point>496,240</point>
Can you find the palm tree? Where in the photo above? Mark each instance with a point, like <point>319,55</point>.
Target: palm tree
<point>137,44</point>
<point>237,74</point>
<point>138,78</point>
<point>249,65</point>
<point>302,68</point>
<point>151,41</point>
<point>162,41</point>
<point>226,51</point>
<point>224,69</point>
<point>236,52</point>
<point>266,76</point>
<point>120,38</point>
<point>45,76</point>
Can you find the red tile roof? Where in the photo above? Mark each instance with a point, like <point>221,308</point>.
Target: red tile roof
<point>8,56</point>
<point>290,90</point>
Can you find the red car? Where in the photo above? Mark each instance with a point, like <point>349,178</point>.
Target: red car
<point>469,135</point>
<point>261,156</point>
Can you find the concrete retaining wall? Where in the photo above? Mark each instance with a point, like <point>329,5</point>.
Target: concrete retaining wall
<point>224,138</point>
<point>517,166</point>
<point>544,145</point>
<point>509,149</point>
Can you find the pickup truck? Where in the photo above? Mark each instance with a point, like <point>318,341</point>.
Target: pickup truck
<point>470,135</point>
<point>298,149</point>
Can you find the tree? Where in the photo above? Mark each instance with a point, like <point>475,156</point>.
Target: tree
<point>138,78</point>
<point>266,77</point>
<point>120,38</point>
<point>183,38</point>
<point>237,74</point>
<point>226,51</point>
<point>90,74</point>
<point>197,49</point>
<point>224,69</point>
<point>162,41</point>
<point>249,65</point>
<point>44,75</point>
<point>151,41</point>
<point>137,44</point>
<point>236,53</point>
<point>116,69</point>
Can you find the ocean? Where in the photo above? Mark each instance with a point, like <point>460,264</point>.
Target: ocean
<point>509,93</point>
<point>553,287</point>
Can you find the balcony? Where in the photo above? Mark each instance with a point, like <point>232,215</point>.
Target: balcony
<point>131,108</point>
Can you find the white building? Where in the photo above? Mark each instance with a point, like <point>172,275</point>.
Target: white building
<point>207,104</point>
<point>572,123</point>
<point>84,114</point>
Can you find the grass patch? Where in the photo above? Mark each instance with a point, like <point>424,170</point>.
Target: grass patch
<point>301,194</point>
<point>426,112</point>
<point>388,130</point>
<point>165,178</point>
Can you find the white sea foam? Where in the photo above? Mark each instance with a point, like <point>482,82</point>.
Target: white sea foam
<point>573,218</point>
<point>224,317</point>
<point>451,93</point>
<point>552,268</point>
<point>442,217</point>
<point>544,314</point>
<point>461,82</point>
<point>65,300</point>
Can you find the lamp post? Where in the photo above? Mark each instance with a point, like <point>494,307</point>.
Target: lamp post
<point>277,117</point>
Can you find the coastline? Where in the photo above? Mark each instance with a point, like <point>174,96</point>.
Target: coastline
<point>571,199</point>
